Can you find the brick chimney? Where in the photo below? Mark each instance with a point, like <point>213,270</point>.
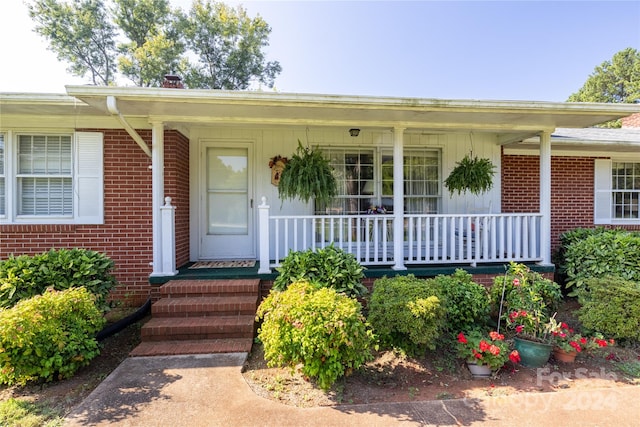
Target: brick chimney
<point>632,121</point>
<point>171,81</point>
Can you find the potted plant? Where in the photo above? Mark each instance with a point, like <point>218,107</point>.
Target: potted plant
<point>526,299</point>
<point>471,174</point>
<point>485,353</point>
<point>567,343</point>
<point>307,175</point>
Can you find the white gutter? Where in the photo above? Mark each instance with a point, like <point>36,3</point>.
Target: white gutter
<point>112,107</point>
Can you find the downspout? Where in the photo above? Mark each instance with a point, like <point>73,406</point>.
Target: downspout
<point>112,107</point>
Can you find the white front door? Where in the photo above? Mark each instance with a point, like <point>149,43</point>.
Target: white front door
<point>226,225</point>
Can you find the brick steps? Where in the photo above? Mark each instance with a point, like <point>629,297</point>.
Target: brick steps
<point>179,347</point>
<point>201,316</point>
<point>189,328</point>
<point>204,306</point>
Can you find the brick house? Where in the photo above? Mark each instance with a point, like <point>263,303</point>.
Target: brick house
<point>158,178</point>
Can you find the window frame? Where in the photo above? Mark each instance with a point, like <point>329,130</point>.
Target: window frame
<point>604,208</point>
<point>87,203</point>
<point>379,198</point>
<point>21,177</point>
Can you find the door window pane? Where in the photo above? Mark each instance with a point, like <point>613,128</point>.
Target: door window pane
<point>228,214</point>
<point>227,191</point>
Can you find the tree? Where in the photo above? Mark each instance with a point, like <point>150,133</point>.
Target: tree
<point>614,81</point>
<point>79,34</point>
<point>154,48</point>
<point>228,45</point>
<point>226,42</point>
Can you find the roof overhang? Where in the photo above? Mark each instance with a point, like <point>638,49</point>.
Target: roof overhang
<point>589,140</point>
<point>512,120</point>
<point>271,108</point>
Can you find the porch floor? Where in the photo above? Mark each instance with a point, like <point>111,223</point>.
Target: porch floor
<point>185,273</point>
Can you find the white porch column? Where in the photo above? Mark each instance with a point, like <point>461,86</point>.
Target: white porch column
<point>168,223</point>
<point>157,190</point>
<point>545,197</point>
<point>263,236</point>
<point>398,198</point>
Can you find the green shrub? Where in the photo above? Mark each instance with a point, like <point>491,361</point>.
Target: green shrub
<point>466,302</point>
<point>524,289</point>
<point>600,253</point>
<point>25,276</point>
<point>48,336</point>
<point>611,306</point>
<point>328,267</point>
<point>406,313</point>
<point>320,328</point>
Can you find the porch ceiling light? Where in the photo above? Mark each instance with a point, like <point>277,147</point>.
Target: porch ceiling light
<point>354,132</point>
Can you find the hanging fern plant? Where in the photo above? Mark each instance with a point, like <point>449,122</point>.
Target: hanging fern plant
<point>308,175</point>
<point>471,174</point>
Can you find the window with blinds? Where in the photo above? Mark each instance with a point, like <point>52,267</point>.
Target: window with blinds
<point>45,175</point>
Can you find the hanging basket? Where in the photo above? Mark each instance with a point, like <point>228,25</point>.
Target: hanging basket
<point>307,175</point>
<point>471,174</point>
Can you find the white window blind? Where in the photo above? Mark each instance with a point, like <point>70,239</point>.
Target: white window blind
<point>45,179</point>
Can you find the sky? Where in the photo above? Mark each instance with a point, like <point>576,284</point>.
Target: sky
<point>492,50</point>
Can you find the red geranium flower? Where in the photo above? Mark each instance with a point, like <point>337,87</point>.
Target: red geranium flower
<point>514,356</point>
<point>519,328</point>
<point>495,350</point>
<point>496,336</point>
<point>461,338</point>
<point>484,346</point>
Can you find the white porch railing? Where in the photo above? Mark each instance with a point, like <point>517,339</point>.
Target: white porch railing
<point>427,239</point>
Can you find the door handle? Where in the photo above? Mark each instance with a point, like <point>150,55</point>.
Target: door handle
<point>251,203</point>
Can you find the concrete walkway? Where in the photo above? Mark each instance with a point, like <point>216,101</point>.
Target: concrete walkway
<point>209,390</point>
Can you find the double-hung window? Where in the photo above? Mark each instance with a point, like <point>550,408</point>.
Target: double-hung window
<point>365,181</point>
<point>44,177</point>
<point>51,178</point>
<point>617,192</point>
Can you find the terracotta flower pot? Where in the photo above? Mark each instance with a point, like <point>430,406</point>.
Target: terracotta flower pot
<point>564,356</point>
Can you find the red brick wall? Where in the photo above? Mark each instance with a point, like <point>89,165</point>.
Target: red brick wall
<point>571,190</point>
<point>126,235</point>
